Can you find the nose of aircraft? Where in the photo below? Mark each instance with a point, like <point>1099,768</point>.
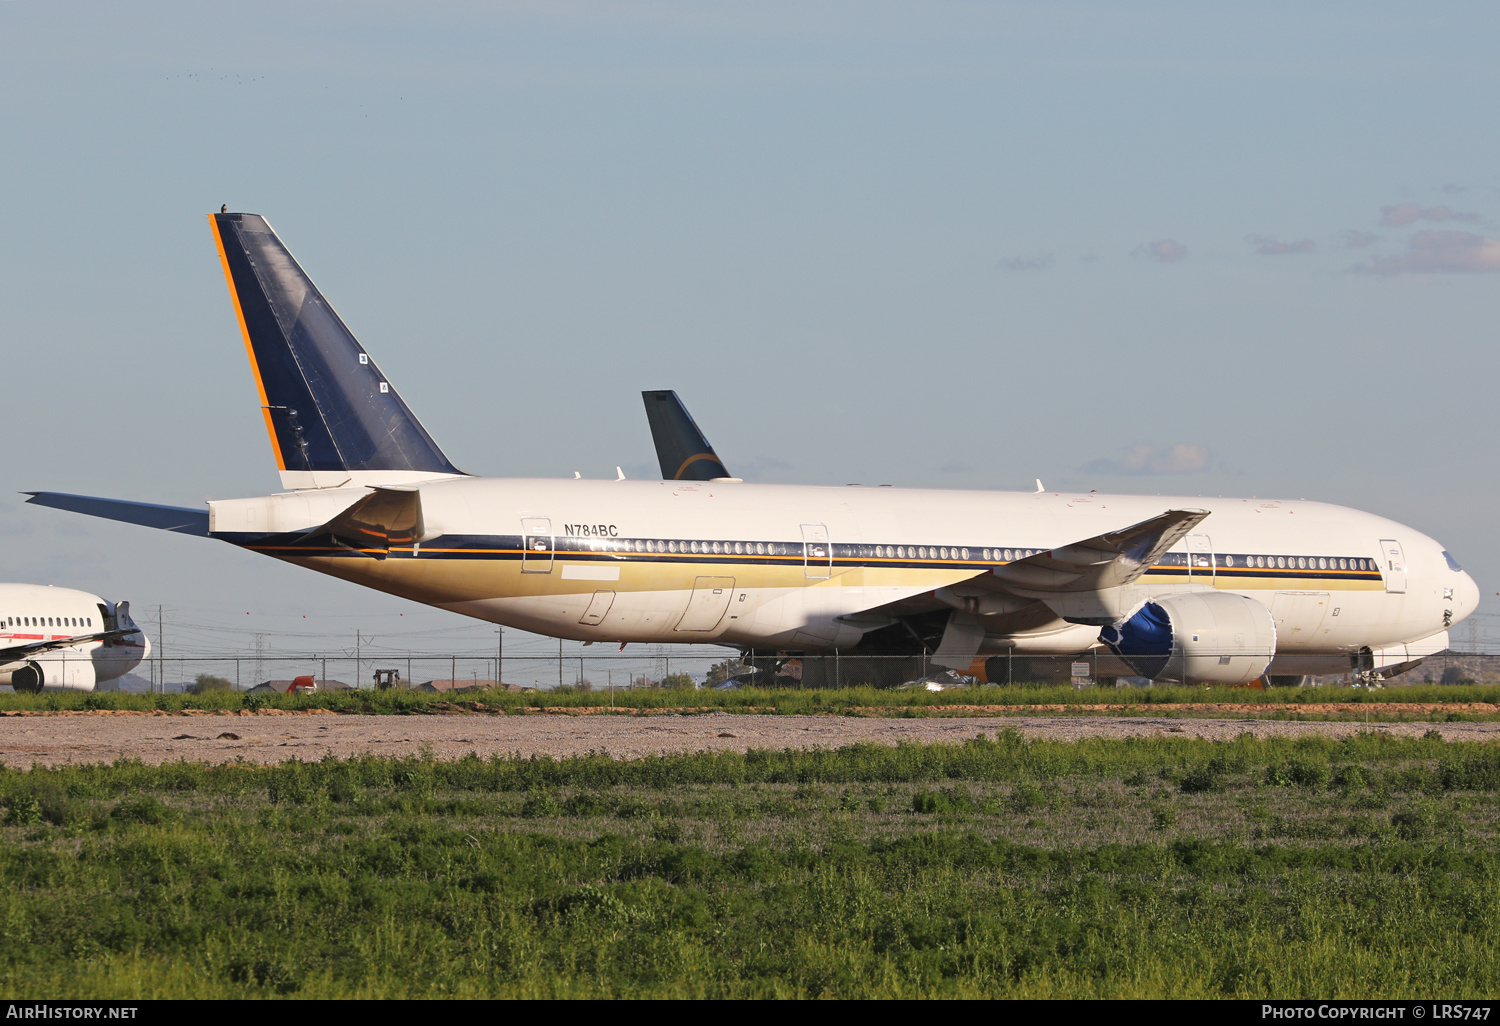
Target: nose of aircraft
<point>1465,596</point>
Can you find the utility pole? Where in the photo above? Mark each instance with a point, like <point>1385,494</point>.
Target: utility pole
<point>359,673</point>
<point>559,662</point>
<point>499,655</point>
<point>161,651</point>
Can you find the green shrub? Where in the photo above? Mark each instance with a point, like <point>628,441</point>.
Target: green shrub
<point>948,800</point>
<point>1350,778</point>
<point>143,808</point>
<point>1201,779</point>
<point>540,805</point>
<point>23,809</point>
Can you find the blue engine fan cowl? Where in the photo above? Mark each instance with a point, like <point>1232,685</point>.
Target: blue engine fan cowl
<point>1144,641</point>
<point>1209,637</point>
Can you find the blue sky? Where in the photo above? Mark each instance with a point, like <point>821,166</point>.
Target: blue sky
<point>1163,248</point>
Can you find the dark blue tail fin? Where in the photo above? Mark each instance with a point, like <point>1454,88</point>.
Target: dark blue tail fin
<point>683,452</point>
<point>328,408</point>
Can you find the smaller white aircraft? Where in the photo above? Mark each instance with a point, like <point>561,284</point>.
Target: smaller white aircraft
<point>63,639</point>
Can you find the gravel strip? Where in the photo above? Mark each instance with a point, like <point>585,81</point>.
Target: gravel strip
<point>55,740</point>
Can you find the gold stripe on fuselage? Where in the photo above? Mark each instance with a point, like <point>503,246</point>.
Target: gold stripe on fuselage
<point>450,579</point>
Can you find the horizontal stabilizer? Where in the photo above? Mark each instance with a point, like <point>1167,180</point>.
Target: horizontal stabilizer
<point>681,448</point>
<point>147,514</point>
<point>386,518</point>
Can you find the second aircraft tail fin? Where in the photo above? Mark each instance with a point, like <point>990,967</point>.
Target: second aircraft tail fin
<point>683,452</point>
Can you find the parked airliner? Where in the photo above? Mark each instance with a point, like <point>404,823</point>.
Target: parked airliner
<point>1174,589</point>
<point>59,638</point>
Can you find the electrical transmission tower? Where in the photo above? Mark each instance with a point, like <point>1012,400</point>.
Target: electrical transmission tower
<point>260,659</point>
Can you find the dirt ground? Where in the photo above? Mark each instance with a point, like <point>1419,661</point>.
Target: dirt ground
<point>104,737</point>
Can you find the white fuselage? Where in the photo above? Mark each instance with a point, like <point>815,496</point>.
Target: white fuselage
<point>34,613</point>
<point>792,567</point>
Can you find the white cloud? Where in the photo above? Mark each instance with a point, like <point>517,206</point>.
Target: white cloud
<point>1403,214</point>
<point>1265,246</point>
<point>1441,252</point>
<point>1142,459</point>
<point>1166,251</point>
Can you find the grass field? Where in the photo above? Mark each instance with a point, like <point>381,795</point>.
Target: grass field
<point>1000,867</point>
<point>769,700</point>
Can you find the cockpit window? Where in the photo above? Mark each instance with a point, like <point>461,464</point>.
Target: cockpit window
<point>1452,563</point>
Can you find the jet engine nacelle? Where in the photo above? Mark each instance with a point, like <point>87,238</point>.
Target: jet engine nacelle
<point>54,671</point>
<point>1197,638</point>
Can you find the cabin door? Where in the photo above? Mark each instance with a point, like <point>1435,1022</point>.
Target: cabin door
<point>1393,566</point>
<point>536,545</point>
<point>817,552</point>
<point>1200,555</point>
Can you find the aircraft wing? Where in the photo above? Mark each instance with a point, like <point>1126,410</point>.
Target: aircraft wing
<point>1088,581</point>
<point>165,518</point>
<point>15,653</point>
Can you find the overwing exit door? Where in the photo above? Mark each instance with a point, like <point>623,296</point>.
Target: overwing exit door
<point>1200,558</point>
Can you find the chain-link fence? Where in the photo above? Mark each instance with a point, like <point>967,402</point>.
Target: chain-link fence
<point>427,672</point>
<point>665,668</point>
